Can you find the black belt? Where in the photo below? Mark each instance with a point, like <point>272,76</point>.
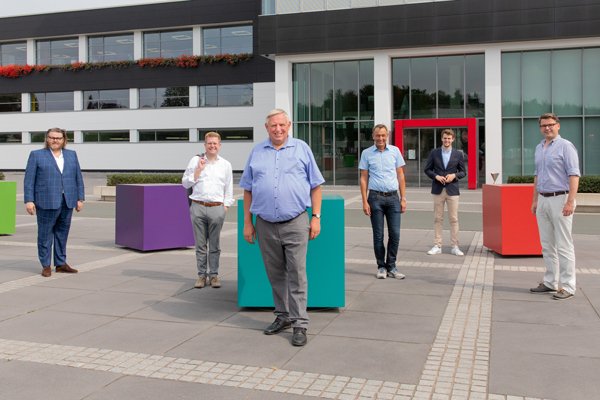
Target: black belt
<point>552,194</point>
<point>395,192</point>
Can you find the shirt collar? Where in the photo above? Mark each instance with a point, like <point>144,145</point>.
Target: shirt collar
<point>289,142</point>
<point>387,147</point>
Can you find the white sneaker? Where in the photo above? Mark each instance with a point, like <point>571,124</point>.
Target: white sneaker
<point>456,251</point>
<point>381,273</point>
<point>435,250</point>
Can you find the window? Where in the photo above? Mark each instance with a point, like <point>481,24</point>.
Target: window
<point>165,97</point>
<point>57,52</point>
<point>165,136</point>
<point>105,99</point>
<point>225,95</point>
<point>52,101</point>
<point>110,48</point>
<point>168,44</point>
<point>10,102</point>
<point>10,138</point>
<point>228,133</point>
<point>40,137</point>
<point>13,53</point>
<point>105,136</point>
<point>229,40</point>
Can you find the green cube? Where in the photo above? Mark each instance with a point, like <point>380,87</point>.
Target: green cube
<point>8,207</point>
<point>325,262</point>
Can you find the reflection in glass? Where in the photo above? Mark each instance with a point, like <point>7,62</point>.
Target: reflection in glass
<point>164,136</point>
<point>106,136</point>
<point>229,134</point>
<point>572,129</point>
<point>110,48</point>
<point>591,81</point>
<point>106,99</point>
<point>52,101</point>
<point>13,53</point>
<point>531,138</point>
<point>301,84</point>
<point>57,52</point>
<point>10,102</point>
<point>168,44</point>
<point>230,40</point>
<point>401,87</point>
<point>536,83</point>
<point>366,87</point>
<point>321,91</point>
<point>511,148</point>
<point>450,76</point>
<point>11,137</point>
<point>566,82</point>
<point>511,84</point>
<point>591,161</point>
<point>322,146</point>
<point>346,90</point>
<point>475,85</point>
<point>423,90</point>
<point>346,151</point>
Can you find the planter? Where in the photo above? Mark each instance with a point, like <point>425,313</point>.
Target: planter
<point>588,203</point>
<point>8,207</point>
<point>106,193</point>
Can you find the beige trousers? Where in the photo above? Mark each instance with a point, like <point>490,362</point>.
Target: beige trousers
<point>438,211</point>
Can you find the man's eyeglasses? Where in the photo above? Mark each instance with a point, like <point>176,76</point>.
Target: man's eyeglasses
<point>547,126</point>
<point>58,139</point>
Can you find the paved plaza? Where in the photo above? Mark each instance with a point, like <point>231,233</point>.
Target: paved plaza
<point>130,325</point>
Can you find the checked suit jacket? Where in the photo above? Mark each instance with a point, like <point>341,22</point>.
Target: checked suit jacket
<point>435,166</point>
<point>44,185</point>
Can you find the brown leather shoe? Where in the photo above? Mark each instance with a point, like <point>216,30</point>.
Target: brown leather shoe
<point>66,269</point>
<point>46,272</point>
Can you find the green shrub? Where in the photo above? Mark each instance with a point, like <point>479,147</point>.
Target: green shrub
<point>137,178</point>
<point>1,176</point>
<point>520,179</point>
<point>587,183</point>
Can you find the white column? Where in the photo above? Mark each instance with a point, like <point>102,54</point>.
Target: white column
<point>197,41</point>
<point>193,135</point>
<point>26,137</point>
<point>493,113</point>
<point>138,45</point>
<point>78,136</point>
<point>25,102</point>
<point>193,101</point>
<point>283,85</point>
<point>134,98</point>
<point>31,52</point>
<point>382,67</point>
<point>78,100</point>
<point>83,48</point>
<point>134,135</point>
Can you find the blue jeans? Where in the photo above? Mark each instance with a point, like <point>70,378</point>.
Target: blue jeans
<point>387,207</point>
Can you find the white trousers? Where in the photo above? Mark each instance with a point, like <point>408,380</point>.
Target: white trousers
<point>557,243</point>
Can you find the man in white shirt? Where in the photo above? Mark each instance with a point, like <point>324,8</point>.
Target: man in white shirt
<point>211,178</point>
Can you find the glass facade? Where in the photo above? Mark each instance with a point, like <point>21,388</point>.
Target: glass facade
<point>227,40</point>
<point>438,87</point>
<point>13,53</point>
<point>10,138</point>
<point>52,101</point>
<point>10,102</point>
<point>110,48</point>
<point>105,99</point>
<point>165,97</point>
<point>225,95</point>
<point>105,136</point>
<point>164,136</point>
<point>333,112</point>
<point>168,44</point>
<point>229,134</point>
<point>57,52</point>
<point>562,81</point>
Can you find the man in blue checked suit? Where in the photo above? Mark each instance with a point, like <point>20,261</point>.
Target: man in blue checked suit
<point>445,166</point>
<point>53,187</point>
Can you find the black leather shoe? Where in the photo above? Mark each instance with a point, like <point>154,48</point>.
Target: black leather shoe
<point>299,338</point>
<point>277,326</point>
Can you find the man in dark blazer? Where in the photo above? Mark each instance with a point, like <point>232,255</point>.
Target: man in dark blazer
<point>445,166</point>
<point>53,187</point>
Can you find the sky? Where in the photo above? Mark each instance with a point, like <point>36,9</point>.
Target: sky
<point>30,7</point>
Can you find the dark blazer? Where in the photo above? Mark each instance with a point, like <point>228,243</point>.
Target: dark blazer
<point>435,166</point>
<point>44,185</point>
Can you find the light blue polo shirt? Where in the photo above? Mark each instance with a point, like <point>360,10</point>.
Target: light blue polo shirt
<point>382,167</point>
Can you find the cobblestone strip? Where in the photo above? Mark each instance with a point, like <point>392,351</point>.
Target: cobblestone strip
<point>206,372</point>
<point>404,263</point>
<point>525,268</point>
<point>458,365</point>
<point>89,266</point>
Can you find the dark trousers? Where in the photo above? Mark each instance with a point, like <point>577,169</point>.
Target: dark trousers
<point>53,229</point>
<point>385,208</point>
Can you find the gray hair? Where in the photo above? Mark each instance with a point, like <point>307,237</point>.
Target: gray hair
<point>276,111</point>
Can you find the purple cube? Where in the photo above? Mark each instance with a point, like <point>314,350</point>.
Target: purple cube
<point>153,217</point>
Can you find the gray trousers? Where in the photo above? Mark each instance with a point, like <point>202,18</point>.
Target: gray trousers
<point>283,247</point>
<point>207,223</point>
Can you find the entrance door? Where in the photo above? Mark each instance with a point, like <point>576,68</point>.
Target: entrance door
<point>418,143</point>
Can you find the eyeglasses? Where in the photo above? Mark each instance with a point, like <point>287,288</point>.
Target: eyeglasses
<point>58,139</point>
<point>547,125</point>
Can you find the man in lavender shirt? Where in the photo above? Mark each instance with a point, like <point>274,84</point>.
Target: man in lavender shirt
<point>555,187</point>
<point>281,180</point>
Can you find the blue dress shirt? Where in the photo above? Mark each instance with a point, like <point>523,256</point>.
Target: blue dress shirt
<point>280,180</point>
<point>554,164</point>
<point>382,167</point>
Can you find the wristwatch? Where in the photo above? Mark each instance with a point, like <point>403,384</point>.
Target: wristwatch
<point>317,216</point>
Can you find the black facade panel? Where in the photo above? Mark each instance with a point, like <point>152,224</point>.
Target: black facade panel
<point>258,69</point>
<point>428,24</point>
<point>166,15</point>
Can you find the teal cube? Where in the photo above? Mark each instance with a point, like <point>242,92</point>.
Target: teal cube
<point>8,207</point>
<point>325,262</point>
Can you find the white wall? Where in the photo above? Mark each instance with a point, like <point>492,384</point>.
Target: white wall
<point>146,155</point>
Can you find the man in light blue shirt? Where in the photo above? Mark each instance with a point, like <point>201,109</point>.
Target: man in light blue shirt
<point>555,187</point>
<point>281,180</point>
<point>381,173</point>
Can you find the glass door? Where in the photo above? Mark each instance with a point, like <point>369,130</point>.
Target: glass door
<point>418,143</point>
